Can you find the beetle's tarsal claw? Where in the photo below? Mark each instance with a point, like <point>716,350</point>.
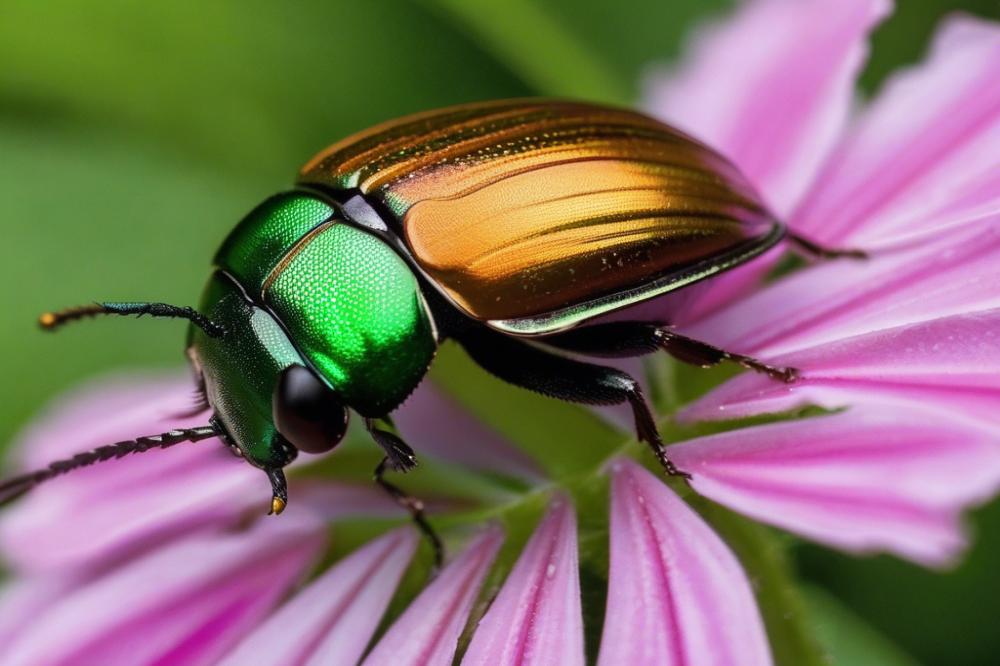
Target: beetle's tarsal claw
<point>779,372</point>
<point>279,490</point>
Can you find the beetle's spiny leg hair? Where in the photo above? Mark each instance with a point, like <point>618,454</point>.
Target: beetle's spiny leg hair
<point>416,510</point>
<point>19,485</point>
<point>53,320</point>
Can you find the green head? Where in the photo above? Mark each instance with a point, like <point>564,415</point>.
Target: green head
<point>267,403</point>
<point>305,316</point>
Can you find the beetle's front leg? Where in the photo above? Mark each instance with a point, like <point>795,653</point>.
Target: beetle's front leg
<point>400,457</point>
<point>626,339</point>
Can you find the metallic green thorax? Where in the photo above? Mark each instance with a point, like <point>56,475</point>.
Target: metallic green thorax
<point>349,304</point>
<point>266,235</point>
<point>354,309</point>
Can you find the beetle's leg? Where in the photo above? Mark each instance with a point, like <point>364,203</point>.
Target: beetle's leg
<point>416,509</point>
<point>818,251</point>
<point>397,452</point>
<point>400,457</point>
<point>566,379</point>
<point>627,339</point>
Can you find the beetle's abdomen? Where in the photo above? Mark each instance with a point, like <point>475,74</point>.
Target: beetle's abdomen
<point>517,209</point>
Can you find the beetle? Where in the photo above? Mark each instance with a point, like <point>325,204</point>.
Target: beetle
<point>505,226</point>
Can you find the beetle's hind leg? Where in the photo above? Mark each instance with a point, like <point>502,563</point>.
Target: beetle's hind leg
<point>814,249</point>
<point>544,372</point>
<point>399,456</point>
<point>627,339</point>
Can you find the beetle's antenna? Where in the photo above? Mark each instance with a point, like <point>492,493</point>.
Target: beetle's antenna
<point>53,320</point>
<point>17,486</point>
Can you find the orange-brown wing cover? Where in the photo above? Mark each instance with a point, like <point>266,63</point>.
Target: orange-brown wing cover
<point>525,207</point>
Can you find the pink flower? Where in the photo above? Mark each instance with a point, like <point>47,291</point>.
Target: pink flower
<point>165,558</point>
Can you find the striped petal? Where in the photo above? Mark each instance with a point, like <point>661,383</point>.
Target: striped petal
<point>952,275</point>
<point>187,602</point>
<point>427,632</point>
<point>536,618</point>
<point>883,478</point>
<point>930,135</point>
<point>771,87</point>
<point>951,364</point>
<point>677,596</point>
<point>332,620</point>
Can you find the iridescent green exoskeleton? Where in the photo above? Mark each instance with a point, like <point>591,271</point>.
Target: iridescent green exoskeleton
<point>319,315</point>
<point>506,226</point>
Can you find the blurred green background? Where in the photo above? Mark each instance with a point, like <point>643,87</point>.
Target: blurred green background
<point>134,135</point>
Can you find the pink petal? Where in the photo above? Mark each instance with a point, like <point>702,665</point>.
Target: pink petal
<point>889,478</point>
<point>931,132</point>
<point>536,618</point>
<point>434,424</point>
<point>131,503</point>
<point>676,593</point>
<point>771,87</point>
<point>952,275</point>
<point>332,620</point>
<point>184,603</point>
<point>950,364</point>
<point>24,599</point>
<point>427,632</point>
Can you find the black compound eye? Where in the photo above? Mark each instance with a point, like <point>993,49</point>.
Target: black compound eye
<point>307,412</point>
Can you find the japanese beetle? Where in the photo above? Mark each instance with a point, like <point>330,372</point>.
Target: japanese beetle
<point>503,226</point>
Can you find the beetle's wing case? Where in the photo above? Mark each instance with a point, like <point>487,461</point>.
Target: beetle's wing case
<point>533,215</point>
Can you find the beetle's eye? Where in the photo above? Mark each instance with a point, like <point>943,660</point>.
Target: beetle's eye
<point>307,412</point>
